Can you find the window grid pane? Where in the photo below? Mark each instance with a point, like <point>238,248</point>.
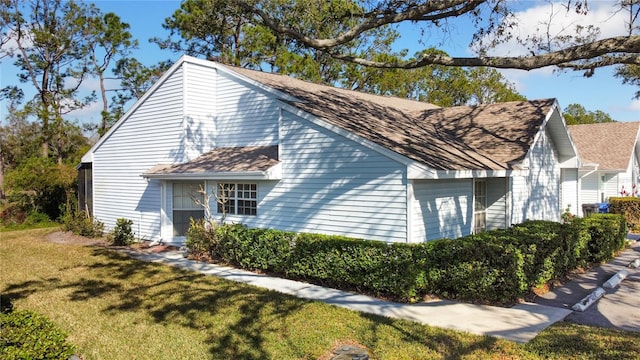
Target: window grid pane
<point>241,199</point>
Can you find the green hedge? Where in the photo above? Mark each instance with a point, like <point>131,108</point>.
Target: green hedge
<point>27,335</point>
<point>495,266</point>
<point>629,207</point>
<point>606,234</point>
<point>371,266</point>
<point>474,268</point>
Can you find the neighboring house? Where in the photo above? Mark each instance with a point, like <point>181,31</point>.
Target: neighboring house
<point>609,153</point>
<point>303,157</point>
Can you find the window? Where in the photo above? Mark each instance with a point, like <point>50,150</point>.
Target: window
<point>479,206</point>
<point>238,199</point>
<point>184,206</point>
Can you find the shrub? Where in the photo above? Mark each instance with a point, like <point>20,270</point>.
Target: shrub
<point>122,233</point>
<point>543,247</point>
<point>27,335</point>
<point>201,238</point>
<point>629,207</point>
<point>371,266</point>
<point>476,268</point>
<point>35,218</point>
<point>80,223</point>
<point>497,266</point>
<point>607,235</point>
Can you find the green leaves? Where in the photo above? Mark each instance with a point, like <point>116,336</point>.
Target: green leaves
<point>27,335</point>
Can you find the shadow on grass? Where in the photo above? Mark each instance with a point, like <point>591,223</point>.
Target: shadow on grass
<point>235,317</point>
<point>566,340</point>
<point>238,320</point>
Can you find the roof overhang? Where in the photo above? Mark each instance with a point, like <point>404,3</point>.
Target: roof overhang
<point>416,174</point>
<point>273,173</point>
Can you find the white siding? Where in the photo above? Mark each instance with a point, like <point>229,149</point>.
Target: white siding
<point>519,196</point>
<point>589,189</point>
<point>570,191</point>
<point>612,184</point>
<point>151,135</point>
<point>332,185</point>
<point>537,196</point>
<point>245,117</point>
<point>442,209</point>
<point>496,203</point>
<point>199,109</point>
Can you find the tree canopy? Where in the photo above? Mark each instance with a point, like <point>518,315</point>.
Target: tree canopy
<point>223,30</point>
<point>492,21</point>
<point>575,114</point>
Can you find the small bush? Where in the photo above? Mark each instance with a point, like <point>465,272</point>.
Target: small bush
<point>27,335</point>
<point>607,235</point>
<point>629,207</point>
<point>82,224</point>
<point>201,238</point>
<point>122,234</point>
<point>35,218</point>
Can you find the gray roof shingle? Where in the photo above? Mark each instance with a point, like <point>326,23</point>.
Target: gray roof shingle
<point>610,145</point>
<point>220,160</point>
<point>484,137</point>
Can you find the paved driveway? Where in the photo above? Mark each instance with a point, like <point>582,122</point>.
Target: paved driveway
<point>618,308</point>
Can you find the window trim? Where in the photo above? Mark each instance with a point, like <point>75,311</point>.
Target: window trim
<point>236,199</point>
<point>482,184</point>
<point>174,208</point>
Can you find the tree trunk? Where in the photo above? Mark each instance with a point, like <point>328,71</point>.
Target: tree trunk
<point>105,105</point>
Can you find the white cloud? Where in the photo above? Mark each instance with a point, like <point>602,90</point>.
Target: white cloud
<point>87,114</point>
<point>553,18</point>
<point>635,107</point>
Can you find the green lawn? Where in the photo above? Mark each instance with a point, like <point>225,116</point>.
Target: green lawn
<point>114,307</point>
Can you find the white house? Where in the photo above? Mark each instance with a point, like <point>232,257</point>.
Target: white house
<point>303,157</point>
<point>609,154</point>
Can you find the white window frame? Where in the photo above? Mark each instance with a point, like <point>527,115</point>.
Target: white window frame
<point>192,206</point>
<point>237,193</point>
<point>479,199</point>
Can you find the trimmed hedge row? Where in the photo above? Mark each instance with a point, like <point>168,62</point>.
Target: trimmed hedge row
<point>495,267</point>
<point>629,207</point>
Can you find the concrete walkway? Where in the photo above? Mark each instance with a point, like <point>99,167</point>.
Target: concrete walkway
<point>520,323</point>
<point>618,307</point>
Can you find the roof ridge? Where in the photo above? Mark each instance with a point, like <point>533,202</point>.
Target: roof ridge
<point>242,70</point>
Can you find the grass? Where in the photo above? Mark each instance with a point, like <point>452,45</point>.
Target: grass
<point>114,307</point>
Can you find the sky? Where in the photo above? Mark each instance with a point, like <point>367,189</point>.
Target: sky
<point>602,91</point>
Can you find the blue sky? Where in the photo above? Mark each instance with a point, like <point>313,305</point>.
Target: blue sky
<point>601,92</point>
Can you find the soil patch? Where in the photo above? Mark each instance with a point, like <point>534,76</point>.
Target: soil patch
<point>67,237</point>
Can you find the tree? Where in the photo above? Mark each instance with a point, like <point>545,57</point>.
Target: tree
<point>5,18</point>
<point>578,48</point>
<point>223,30</point>
<point>135,80</point>
<point>109,40</point>
<point>575,114</point>
<point>630,74</point>
<point>51,52</point>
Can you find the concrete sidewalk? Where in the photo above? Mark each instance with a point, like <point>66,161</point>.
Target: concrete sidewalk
<point>520,323</point>
<point>618,308</point>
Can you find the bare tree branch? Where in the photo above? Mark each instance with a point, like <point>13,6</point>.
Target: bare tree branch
<point>430,11</point>
<point>562,58</point>
<point>569,51</point>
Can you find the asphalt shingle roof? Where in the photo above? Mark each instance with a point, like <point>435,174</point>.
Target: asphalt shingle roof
<point>234,159</point>
<point>610,145</point>
<point>484,137</point>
